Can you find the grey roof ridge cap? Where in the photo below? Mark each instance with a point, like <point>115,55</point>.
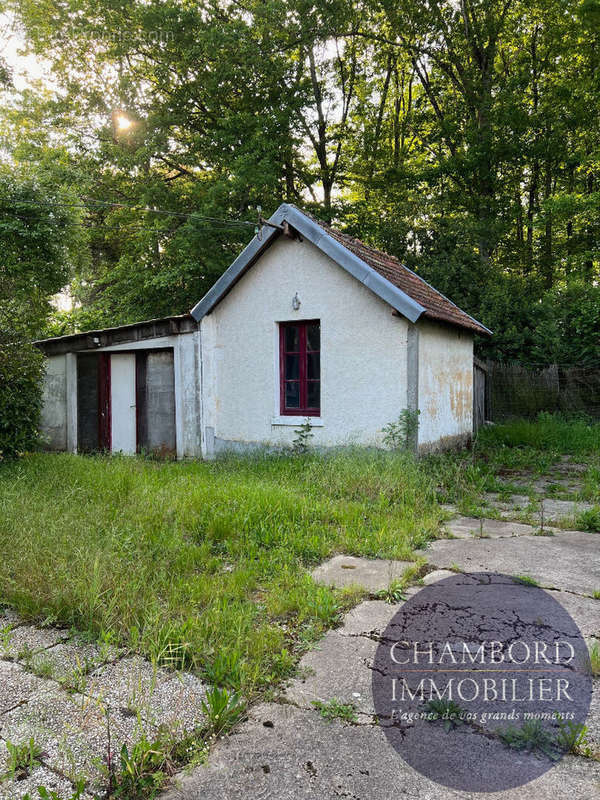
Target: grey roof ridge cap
<point>358,268</point>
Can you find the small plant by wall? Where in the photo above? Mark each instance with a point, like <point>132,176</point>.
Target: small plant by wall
<point>304,434</point>
<point>402,434</point>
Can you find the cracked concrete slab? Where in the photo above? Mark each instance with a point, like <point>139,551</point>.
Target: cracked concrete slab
<point>568,561</point>
<point>337,668</point>
<point>373,574</point>
<point>16,685</point>
<point>284,752</point>
<point>21,642</point>
<point>72,731</point>
<point>585,611</point>
<point>69,661</point>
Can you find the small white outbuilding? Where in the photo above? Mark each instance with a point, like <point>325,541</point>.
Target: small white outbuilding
<point>307,323</point>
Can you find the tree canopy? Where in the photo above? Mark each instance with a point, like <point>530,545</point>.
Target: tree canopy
<point>462,137</point>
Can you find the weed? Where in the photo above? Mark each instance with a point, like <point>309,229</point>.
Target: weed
<point>525,580</point>
<point>531,736</point>
<point>224,671</point>
<point>301,442</point>
<point>50,794</point>
<point>335,709</point>
<point>22,759</point>
<point>42,667</point>
<point>572,736</point>
<point>222,710</point>
<point>594,650</point>
<point>448,711</point>
<point>543,532</point>
<point>589,520</point>
<point>596,595</point>
<point>395,592</point>
<point>143,770</point>
<point>400,435</point>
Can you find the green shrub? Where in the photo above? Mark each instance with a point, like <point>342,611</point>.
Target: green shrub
<point>21,366</point>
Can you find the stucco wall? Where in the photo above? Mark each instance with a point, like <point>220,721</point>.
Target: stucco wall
<point>53,423</point>
<point>445,397</point>
<point>363,352</point>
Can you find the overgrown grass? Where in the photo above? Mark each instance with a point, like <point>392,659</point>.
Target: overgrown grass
<point>203,565</point>
<point>551,433</point>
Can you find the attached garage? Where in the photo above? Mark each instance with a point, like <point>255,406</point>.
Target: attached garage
<point>119,390</point>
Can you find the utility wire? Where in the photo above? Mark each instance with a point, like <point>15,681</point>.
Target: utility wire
<point>145,209</point>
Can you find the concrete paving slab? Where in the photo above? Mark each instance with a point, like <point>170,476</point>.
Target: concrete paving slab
<point>16,685</point>
<point>9,618</point>
<point>584,610</point>
<point>16,790</point>
<point>285,753</point>
<point>555,510</point>
<point>437,575</point>
<point>368,618</point>
<point>593,720</point>
<point>70,661</point>
<point>338,668</point>
<point>373,574</point>
<point>127,685</point>
<point>134,686</point>
<point>516,502</point>
<point>471,527</point>
<point>72,731</point>
<point>567,561</point>
<point>176,704</point>
<point>24,641</point>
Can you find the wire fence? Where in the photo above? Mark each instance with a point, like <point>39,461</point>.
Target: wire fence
<point>511,391</point>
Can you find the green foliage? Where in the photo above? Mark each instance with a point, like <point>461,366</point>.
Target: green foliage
<point>448,711</point>
<point>395,592</point>
<point>400,435</point>
<point>50,794</point>
<point>572,736</point>
<point>532,737</point>
<point>222,710</point>
<point>464,140</point>
<point>142,770</point>
<point>335,709</point>
<point>206,563</point>
<point>304,434</point>
<point>22,759</point>
<point>594,648</point>
<point>525,580</point>
<point>589,520</point>
<point>21,367</point>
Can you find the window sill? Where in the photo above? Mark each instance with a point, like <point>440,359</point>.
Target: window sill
<point>315,422</point>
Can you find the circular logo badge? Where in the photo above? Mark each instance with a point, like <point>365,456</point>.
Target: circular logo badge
<point>482,682</point>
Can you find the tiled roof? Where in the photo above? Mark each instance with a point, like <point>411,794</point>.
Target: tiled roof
<point>436,305</point>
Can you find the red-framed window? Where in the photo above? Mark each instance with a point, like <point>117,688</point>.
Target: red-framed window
<point>300,368</point>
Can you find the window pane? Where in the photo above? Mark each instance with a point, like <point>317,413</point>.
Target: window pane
<point>292,339</point>
<point>292,394</point>
<point>313,361</point>
<point>313,394</point>
<point>313,337</point>
<point>292,368</point>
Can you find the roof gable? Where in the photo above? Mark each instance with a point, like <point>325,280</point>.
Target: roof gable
<point>383,274</point>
